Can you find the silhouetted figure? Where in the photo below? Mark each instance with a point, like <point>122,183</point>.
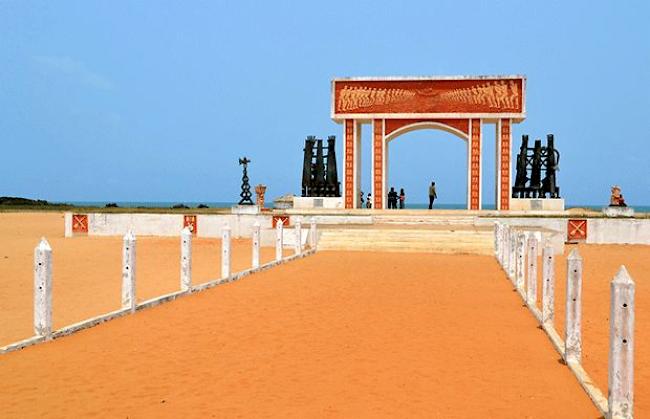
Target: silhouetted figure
<point>432,194</point>
<point>402,198</point>
<point>369,201</point>
<point>392,198</point>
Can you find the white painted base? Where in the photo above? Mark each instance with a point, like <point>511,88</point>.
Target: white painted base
<point>531,204</point>
<point>245,209</point>
<point>315,202</point>
<point>618,211</point>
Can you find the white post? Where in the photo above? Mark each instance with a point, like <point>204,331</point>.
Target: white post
<point>225,251</point>
<point>313,234</point>
<point>620,394</point>
<point>511,268</point>
<point>298,237</point>
<point>520,270</point>
<point>43,289</point>
<point>548,285</point>
<point>186,259</point>
<point>573,313</point>
<point>505,252</point>
<point>278,240</point>
<point>531,288</point>
<point>67,224</point>
<point>128,271</point>
<point>496,239</point>
<point>256,245</point>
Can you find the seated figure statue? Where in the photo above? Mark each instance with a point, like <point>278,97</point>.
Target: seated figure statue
<point>616,199</point>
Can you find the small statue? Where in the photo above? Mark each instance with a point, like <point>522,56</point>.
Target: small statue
<point>245,186</point>
<point>616,199</point>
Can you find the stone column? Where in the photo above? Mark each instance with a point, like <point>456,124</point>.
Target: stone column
<point>531,289</point>
<point>279,236</point>
<point>256,245</point>
<point>620,395</point>
<point>186,259</point>
<point>378,164</point>
<point>225,252</point>
<point>505,140</point>
<point>573,313</point>
<point>548,285</point>
<point>475,165</point>
<point>128,271</point>
<point>349,162</point>
<point>43,289</point>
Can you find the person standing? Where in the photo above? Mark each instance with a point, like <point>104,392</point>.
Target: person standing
<point>432,194</point>
<point>369,201</point>
<point>402,198</point>
<point>392,198</point>
<point>360,199</point>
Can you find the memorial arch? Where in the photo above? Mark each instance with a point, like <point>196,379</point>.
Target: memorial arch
<point>456,104</point>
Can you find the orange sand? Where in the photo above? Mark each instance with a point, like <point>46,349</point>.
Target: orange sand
<point>333,335</point>
<point>87,270</point>
<point>600,264</point>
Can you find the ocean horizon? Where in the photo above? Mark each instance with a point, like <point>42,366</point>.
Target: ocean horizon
<point>221,204</point>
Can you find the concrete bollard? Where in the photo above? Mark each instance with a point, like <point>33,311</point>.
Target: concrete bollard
<point>256,245</point>
<point>186,259</point>
<point>531,287</point>
<point>620,394</point>
<point>128,271</point>
<point>548,285</point>
<point>505,254</point>
<point>520,267</point>
<point>512,250</point>
<point>43,289</point>
<point>298,246</point>
<point>67,224</point>
<point>225,251</point>
<point>313,234</point>
<point>573,313</point>
<point>279,236</point>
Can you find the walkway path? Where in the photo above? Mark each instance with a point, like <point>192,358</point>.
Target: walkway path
<point>332,335</point>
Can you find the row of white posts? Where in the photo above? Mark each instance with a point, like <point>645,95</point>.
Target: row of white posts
<point>43,268</point>
<point>516,251</point>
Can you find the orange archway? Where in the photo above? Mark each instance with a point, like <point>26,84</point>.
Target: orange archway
<point>457,104</point>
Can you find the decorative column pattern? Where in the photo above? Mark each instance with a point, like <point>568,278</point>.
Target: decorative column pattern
<point>504,200</point>
<point>475,165</point>
<point>349,163</point>
<point>378,163</point>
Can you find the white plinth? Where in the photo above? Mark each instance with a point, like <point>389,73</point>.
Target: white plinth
<point>317,202</point>
<point>245,209</point>
<point>534,204</point>
<point>618,211</point>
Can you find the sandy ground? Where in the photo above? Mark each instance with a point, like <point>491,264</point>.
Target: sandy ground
<point>600,264</point>
<point>333,335</point>
<point>87,270</point>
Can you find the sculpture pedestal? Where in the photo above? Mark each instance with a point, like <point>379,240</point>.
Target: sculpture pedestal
<point>534,204</point>
<point>315,202</point>
<point>618,211</point>
<point>245,209</point>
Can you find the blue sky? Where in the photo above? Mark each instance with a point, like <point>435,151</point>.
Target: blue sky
<point>105,100</point>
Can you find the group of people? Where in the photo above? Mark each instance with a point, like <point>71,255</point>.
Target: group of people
<point>394,199</point>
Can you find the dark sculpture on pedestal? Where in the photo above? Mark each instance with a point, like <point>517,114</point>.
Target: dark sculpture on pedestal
<point>245,186</point>
<point>319,174</point>
<point>530,164</point>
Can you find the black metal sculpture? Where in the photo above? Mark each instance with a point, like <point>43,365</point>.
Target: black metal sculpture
<point>319,174</point>
<point>530,163</point>
<point>245,186</point>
